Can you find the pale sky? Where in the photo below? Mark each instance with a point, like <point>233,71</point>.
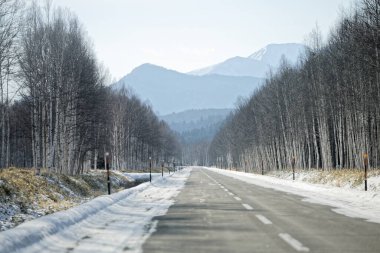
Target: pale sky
<point>189,34</point>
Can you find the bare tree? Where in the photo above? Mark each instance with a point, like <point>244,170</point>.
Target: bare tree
<point>9,28</point>
<point>324,112</point>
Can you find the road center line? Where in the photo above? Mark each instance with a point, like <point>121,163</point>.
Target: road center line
<point>231,194</point>
<point>263,219</point>
<point>293,242</point>
<point>237,198</point>
<point>248,207</point>
<point>209,176</point>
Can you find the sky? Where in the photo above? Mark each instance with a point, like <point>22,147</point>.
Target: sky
<point>190,34</point>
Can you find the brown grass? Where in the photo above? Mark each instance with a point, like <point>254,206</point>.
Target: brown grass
<point>337,177</point>
<point>53,192</point>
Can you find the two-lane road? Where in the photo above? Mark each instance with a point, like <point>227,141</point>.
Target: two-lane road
<point>216,213</point>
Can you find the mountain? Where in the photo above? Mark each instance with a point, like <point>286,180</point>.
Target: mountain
<point>258,64</point>
<point>195,119</point>
<point>169,91</point>
<point>194,126</point>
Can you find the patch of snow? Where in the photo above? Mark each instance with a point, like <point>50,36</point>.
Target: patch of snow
<point>350,202</point>
<point>259,54</point>
<point>61,186</point>
<point>120,222</point>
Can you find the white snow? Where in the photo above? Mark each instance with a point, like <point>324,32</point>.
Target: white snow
<point>350,202</point>
<point>120,222</point>
<point>258,55</point>
<point>141,177</point>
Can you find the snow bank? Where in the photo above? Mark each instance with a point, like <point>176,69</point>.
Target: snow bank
<point>350,202</point>
<point>141,177</point>
<point>83,227</point>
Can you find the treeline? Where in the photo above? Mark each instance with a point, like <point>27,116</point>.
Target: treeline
<point>323,113</point>
<point>64,118</point>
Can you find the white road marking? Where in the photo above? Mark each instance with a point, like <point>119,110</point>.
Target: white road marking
<point>225,190</point>
<point>248,207</point>
<point>293,242</point>
<point>209,176</point>
<point>264,219</point>
<point>237,198</point>
<point>231,194</point>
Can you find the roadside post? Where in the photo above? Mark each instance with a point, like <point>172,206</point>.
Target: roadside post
<point>108,173</point>
<point>162,168</point>
<point>293,164</point>
<point>262,167</point>
<point>365,170</point>
<point>150,169</point>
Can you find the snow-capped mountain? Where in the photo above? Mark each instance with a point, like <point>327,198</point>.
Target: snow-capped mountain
<point>217,86</point>
<point>258,64</point>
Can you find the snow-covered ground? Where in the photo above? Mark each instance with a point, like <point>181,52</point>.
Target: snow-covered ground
<point>350,202</point>
<point>120,222</point>
<point>344,178</point>
<point>142,177</point>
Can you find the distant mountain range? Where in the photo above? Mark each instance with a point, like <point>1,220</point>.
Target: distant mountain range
<point>194,119</point>
<point>218,86</point>
<point>257,64</point>
<point>196,125</point>
<point>170,91</point>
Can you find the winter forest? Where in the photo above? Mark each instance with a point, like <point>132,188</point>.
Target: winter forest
<point>56,111</point>
<point>323,113</point>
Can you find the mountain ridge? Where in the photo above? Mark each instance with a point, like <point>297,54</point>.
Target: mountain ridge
<point>257,64</point>
<point>218,86</point>
<point>171,91</point>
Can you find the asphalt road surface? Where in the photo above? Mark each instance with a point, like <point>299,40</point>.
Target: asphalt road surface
<point>216,213</point>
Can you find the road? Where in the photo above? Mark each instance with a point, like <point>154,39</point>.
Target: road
<point>216,213</point>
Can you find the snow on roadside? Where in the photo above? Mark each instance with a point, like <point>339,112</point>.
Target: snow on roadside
<point>349,202</point>
<point>342,178</point>
<point>120,222</point>
<point>141,177</point>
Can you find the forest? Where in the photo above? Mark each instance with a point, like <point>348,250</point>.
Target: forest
<point>56,110</point>
<point>323,113</point>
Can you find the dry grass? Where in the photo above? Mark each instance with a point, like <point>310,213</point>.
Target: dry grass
<point>351,178</point>
<point>52,192</point>
<point>26,189</point>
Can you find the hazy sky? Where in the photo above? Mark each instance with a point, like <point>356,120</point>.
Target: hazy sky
<point>189,34</point>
